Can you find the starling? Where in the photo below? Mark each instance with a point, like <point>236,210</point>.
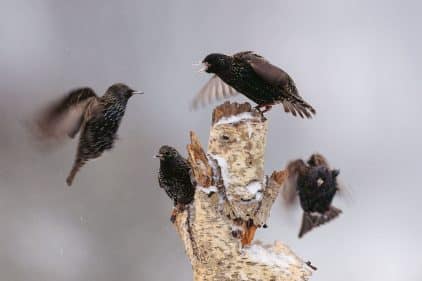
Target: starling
<point>98,119</point>
<point>316,185</point>
<point>253,76</point>
<point>175,177</point>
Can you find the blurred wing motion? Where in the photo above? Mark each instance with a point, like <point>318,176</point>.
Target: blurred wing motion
<point>344,192</point>
<point>65,117</point>
<point>215,89</point>
<point>312,220</point>
<point>290,188</point>
<point>275,76</point>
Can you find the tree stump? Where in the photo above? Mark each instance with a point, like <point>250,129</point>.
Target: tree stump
<point>233,199</point>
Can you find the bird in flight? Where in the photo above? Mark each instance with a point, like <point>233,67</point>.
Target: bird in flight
<point>256,78</point>
<point>96,118</point>
<point>316,185</point>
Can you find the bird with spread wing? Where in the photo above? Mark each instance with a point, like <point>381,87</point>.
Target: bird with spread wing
<point>256,78</point>
<point>316,185</point>
<point>96,118</point>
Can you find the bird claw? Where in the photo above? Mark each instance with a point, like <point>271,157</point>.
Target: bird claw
<point>266,107</point>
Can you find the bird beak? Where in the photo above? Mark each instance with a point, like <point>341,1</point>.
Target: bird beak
<point>204,67</point>
<point>137,93</point>
<point>159,155</point>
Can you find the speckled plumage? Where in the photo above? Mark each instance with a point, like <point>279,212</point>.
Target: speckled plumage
<point>316,186</point>
<point>98,119</point>
<point>174,176</point>
<point>251,75</point>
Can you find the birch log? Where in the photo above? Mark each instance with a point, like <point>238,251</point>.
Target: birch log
<point>233,199</point>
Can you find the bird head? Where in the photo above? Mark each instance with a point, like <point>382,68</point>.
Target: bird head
<point>213,63</point>
<point>335,173</point>
<point>122,90</point>
<point>167,152</point>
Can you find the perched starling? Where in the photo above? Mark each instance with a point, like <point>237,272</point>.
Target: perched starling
<point>98,119</point>
<point>253,76</point>
<point>315,184</point>
<point>175,178</point>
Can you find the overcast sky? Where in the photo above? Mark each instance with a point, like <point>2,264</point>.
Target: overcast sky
<point>357,62</point>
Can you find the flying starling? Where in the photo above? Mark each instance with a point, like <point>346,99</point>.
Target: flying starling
<point>98,119</point>
<point>315,184</point>
<point>253,76</point>
<point>175,177</point>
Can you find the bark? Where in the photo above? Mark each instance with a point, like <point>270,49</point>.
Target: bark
<point>232,200</point>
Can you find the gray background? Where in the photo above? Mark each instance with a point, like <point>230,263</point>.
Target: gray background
<point>358,62</point>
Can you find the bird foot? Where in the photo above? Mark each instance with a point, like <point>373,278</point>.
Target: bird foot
<point>263,107</point>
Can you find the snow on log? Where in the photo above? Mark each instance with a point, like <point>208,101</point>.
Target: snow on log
<point>232,200</point>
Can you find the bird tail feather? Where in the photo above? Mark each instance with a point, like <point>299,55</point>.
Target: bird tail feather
<point>312,220</point>
<point>76,166</point>
<point>299,107</point>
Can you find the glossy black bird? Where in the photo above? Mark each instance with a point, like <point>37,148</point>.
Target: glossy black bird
<point>97,118</point>
<point>316,185</point>
<point>175,178</point>
<point>253,76</point>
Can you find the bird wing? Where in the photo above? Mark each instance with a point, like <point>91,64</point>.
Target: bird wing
<point>289,191</point>
<point>290,188</point>
<point>277,77</point>
<point>264,69</point>
<point>215,89</point>
<point>66,116</point>
<point>318,159</point>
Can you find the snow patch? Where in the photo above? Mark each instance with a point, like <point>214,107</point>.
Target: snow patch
<point>259,196</point>
<point>260,254</point>
<point>208,190</point>
<point>235,119</point>
<point>222,163</point>
<point>254,187</point>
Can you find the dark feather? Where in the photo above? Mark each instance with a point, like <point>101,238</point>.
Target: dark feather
<point>65,117</point>
<point>264,69</point>
<point>312,220</point>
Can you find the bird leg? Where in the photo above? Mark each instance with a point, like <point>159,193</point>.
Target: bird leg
<point>265,106</point>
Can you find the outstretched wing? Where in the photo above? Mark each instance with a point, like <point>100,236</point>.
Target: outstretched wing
<point>65,116</point>
<point>275,76</point>
<point>290,188</point>
<point>215,89</point>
